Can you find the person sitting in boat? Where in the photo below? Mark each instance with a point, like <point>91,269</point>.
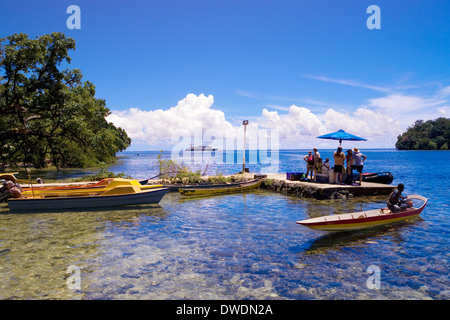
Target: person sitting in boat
<point>396,199</point>
<point>10,189</point>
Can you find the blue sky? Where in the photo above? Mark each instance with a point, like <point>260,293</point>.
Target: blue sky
<point>300,67</point>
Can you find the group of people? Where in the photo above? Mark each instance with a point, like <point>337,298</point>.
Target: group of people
<point>354,160</point>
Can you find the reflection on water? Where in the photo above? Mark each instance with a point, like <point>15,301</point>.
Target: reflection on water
<point>237,246</point>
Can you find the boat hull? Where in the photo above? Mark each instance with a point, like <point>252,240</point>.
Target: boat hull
<point>83,190</point>
<point>222,189</point>
<point>152,196</point>
<point>362,220</point>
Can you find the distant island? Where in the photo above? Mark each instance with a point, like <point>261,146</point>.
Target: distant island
<point>426,135</point>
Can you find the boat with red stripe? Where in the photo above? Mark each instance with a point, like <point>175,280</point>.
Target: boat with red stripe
<point>364,219</point>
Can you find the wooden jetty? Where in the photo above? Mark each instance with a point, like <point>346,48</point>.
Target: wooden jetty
<point>279,183</point>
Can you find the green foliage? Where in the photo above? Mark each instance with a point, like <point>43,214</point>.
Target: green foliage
<point>173,171</point>
<point>429,135</point>
<point>51,114</point>
<point>103,174</point>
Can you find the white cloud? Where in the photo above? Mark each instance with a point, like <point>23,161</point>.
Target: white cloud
<point>156,127</point>
<point>397,103</point>
<point>351,83</point>
<point>298,127</point>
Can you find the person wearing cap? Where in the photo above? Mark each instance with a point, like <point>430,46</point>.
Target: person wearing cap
<point>358,163</point>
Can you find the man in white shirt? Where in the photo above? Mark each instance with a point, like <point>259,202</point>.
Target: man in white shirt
<point>358,163</point>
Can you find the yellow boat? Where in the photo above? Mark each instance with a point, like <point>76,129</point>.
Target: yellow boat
<point>224,188</point>
<point>88,189</point>
<point>11,176</point>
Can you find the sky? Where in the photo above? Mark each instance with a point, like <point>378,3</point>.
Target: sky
<point>295,69</point>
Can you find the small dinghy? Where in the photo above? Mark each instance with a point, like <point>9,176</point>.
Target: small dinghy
<point>379,177</point>
<point>364,219</point>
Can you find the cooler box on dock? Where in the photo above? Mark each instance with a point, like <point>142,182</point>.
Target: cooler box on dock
<point>322,177</point>
<point>294,176</point>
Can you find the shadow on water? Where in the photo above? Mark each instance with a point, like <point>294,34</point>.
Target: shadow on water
<point>107,213</point>
<point>338,240</point>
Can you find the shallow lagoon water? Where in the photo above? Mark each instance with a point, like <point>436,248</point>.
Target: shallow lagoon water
<point>238,246</point>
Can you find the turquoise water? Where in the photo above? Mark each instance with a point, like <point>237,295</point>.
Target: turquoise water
<point>239,246</point>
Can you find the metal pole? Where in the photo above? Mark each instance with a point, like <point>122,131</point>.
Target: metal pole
<point>245,122</point>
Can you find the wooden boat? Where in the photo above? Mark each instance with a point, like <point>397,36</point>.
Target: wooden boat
<point>224,188</point>
<point>118,196</point>
<point>363,219</point>
<point>86,189</point>
<point>206,185</point>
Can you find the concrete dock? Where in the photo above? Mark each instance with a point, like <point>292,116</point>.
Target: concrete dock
<point>279,183</point>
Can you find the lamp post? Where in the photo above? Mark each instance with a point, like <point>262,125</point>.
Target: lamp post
<point>245,123</point>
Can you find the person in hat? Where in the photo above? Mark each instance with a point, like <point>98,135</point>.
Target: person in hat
<point>358,163</point>
<point>10,189</point>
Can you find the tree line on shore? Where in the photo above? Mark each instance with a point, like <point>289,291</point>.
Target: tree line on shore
<point>49,114</point>
<point>426,135</point>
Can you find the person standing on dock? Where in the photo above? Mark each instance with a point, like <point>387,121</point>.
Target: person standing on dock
<point>358,163</point>
<point>317,163</point>
<point>339,158</point>
<point>309,158</point>
<point>349,159</point>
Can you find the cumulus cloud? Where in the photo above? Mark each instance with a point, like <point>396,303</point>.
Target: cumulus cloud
<point>157,126</point>
<point>297,127</point>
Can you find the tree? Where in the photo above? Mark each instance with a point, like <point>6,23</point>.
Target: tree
<point>51,114</point>
<point>426,135</point>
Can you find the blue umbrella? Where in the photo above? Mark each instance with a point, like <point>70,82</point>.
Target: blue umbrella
<point>341,135</point>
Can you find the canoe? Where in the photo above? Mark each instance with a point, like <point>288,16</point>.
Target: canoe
<point>224,188</point>
<point>363,219</point>
<point>86,189</point>
<point>118,196</point>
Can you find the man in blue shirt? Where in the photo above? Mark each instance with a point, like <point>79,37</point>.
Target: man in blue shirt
<point>358,162</point>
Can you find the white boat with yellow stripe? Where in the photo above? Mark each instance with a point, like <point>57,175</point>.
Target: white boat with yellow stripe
<point>86,189</point>
<point>121,195</point>
<point>364,219</point>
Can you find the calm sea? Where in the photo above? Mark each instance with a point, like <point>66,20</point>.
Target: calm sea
<point>237,246</point>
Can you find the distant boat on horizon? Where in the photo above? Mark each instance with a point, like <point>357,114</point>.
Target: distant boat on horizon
<point>200,148</point>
